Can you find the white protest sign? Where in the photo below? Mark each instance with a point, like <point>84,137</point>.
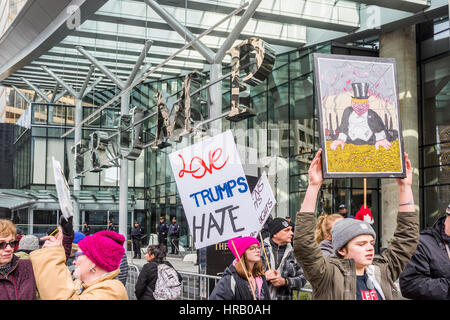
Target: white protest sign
<point>263,202</point>
<point>63,190</point>
<point>213,190</point>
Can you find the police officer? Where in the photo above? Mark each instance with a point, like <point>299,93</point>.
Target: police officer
<point>136,235</point>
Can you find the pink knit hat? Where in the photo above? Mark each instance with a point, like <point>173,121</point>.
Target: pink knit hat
<point>241,244</point>
<point>104,248</point>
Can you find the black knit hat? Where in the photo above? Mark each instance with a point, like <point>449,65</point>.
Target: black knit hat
<point>277,224</point>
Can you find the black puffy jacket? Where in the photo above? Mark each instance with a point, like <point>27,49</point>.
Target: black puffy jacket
<point>146,281</point>
<point>427,275</point>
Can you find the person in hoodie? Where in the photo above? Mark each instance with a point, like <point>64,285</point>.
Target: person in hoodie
<point>234,284</point>
<point>284,274</point>
<point>354,274</point>
<point>322,235</point>
<point>427,275</point>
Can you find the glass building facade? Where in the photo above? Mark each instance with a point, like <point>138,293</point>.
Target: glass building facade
<point>281,139</point>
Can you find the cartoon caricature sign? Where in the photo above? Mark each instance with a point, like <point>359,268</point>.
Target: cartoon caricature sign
<point>213,190</point>
<point>359,117</point>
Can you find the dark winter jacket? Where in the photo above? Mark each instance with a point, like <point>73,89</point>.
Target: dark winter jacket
<point>233,287</point>
<point>18,283</point>
<point>282,259</point>
<point>174,230</point>
<point>427,275</point>
<point>163,228</point>
<point>136,233</point>
<point>334,278</point>
<point>146,282</point>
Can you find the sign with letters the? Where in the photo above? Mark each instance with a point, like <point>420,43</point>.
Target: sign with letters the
<point>213,190</point>
<point>263,202</point>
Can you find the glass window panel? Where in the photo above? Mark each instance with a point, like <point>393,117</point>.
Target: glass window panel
<point>110,176</point>
<point>39,114</point>
<point>300,66</point>
<point>436,155</point>
<point>436,175</point>
<point>39,156</point>
<point>436,115</point>
<point>278,77</point>
<point>70,159</point>
<point>38,131</point>
<point>140,170</point>
<point>436,201</point>
<point>56,114</point>
<point>55,148</point>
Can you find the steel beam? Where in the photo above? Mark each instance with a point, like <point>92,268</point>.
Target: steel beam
<point>206,52</point>
<point>36,89</point>
<point>101,67</point>
<point>54,93</point>
<point>139,62</point>
<point>60,81</point>
<point>234,34</point>
<point>146,75</point>
<point>86,81</point>
<point>20,93</point>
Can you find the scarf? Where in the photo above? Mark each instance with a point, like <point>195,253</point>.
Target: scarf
<point>6,268</point>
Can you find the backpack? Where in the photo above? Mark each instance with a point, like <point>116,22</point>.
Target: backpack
<point>167,287</point>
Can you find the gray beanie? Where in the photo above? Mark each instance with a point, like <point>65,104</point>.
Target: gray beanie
<point>29,242</point>
<point>346,229</point>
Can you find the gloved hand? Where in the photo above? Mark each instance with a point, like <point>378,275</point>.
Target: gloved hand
<point>67,226</point>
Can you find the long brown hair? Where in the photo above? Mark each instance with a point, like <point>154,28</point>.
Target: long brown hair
<point>257,270</point>
<point>323,227</point>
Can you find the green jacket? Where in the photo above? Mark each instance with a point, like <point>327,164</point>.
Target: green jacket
<point>334,278</point>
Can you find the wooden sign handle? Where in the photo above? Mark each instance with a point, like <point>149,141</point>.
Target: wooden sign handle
<point>264,249</point>
<point>365,193</point>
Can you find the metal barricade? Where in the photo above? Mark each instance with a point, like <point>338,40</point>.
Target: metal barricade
<point>198,286</point>
<point>133,273</point>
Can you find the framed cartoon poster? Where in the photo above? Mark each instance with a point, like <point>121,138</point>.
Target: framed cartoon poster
<point>359,116</point>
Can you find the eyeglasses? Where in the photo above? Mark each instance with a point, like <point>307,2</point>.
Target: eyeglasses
<point>77,254</point>
<point>253,248</point>
<point>12,244</point>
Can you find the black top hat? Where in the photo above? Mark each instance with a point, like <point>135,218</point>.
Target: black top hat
<point>360,90</point>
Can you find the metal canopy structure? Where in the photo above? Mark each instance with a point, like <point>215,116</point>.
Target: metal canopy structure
<point>16,199</point>
<point>48,32</point>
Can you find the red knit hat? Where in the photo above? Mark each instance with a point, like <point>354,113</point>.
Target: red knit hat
<point>364,214</point>
<point>241,244</point>
<point>104,248</point>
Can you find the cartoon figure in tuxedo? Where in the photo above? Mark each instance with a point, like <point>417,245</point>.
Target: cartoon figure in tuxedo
<point>360,125</point>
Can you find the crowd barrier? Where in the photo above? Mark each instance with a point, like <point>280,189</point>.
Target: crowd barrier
<point>198,286</point>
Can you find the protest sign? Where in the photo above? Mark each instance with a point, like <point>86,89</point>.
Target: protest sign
<point>62,188</point>
<point>213,190</point>
<point>263,202</point>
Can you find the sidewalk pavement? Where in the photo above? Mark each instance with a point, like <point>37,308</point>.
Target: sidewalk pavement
<point>176,261</point>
